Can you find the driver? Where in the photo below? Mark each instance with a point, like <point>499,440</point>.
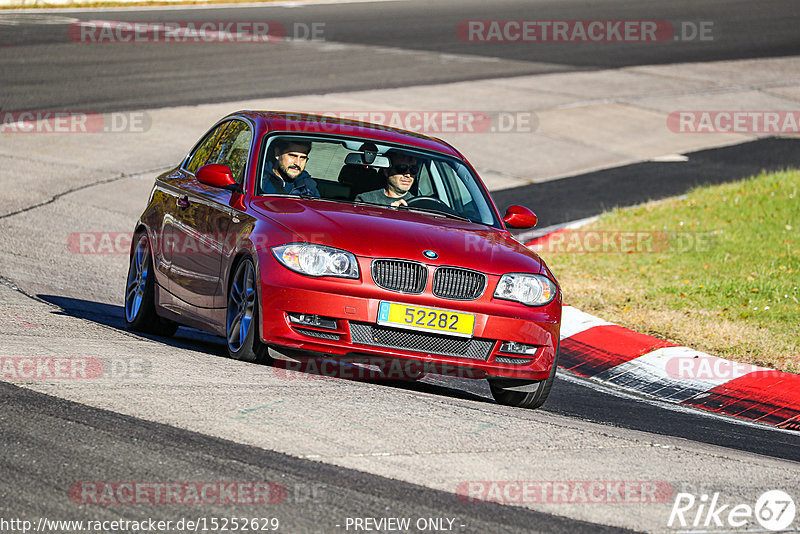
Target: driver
<point>285,173</point>
<point>399,179</point>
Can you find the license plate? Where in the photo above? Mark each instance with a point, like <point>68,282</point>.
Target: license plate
<point>426,319</point>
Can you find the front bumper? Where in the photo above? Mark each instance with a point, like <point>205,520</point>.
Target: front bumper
<point>352,305</point>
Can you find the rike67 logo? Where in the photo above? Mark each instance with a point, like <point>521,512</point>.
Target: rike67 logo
<point>774,511</point>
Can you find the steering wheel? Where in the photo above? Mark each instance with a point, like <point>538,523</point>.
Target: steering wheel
<point>430,203</point>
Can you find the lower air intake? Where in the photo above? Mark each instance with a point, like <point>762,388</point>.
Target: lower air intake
<point>393,338</point>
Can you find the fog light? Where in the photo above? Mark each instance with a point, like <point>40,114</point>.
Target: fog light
<point>312,320</point>
<point>512,347</point>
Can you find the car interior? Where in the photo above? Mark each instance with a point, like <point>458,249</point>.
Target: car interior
<point>343,169</point>
<point>337,178</point>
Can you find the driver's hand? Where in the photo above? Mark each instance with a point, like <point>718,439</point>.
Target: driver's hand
<point>400,202</point>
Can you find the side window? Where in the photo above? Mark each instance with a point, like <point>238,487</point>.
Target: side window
<point>233,148</point>
<point>325,160</point>
<point>203,151</point>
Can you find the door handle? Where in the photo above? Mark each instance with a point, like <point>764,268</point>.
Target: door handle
<point>183,202</point>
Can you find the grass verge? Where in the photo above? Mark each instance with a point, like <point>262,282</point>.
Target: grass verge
<point>717,270</point>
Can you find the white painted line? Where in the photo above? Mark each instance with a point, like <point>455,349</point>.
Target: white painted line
<point>574,321</point>
<point>13,19</point>
<point>670,158</point>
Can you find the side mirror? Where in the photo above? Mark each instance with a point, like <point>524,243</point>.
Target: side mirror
<point>520,217</point>
<point>217,175</point>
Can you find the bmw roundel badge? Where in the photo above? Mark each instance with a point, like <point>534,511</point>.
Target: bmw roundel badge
<point>431,255</point>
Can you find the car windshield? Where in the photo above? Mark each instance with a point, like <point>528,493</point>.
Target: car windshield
<point>355,170</point>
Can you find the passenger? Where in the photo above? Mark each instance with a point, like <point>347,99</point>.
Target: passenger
<point>285,173</point>
<point>399,179</point>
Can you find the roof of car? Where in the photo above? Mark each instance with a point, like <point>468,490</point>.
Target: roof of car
<point>323,124</point>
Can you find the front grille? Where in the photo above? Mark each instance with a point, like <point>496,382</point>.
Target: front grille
<point>399,275</point>
<point>458,284</point>
<point>393,338</point>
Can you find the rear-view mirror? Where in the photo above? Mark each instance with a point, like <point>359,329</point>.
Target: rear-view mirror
<point>358,158</point>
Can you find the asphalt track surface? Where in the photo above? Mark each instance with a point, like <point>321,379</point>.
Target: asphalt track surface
<point>591,194</point>
<point>574,398</point>
<point>49,443</point>
<point>54,443</point>
<point>43,68</point>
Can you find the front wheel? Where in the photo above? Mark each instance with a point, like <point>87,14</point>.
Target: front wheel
<point>140,307</point>
<point>242,316</point>
<point>519,393</point>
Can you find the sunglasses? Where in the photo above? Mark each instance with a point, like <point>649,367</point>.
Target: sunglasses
<point>402,168</point>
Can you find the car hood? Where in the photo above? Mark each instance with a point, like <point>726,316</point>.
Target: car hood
<point>378,232</point>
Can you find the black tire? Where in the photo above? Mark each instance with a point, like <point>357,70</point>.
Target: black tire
<point>140,308</point>
<point>241,318</point>
<point>536,391</point>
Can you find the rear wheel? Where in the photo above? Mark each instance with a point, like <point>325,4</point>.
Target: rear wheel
<point>140,308</point>
<point>529,394</point>
<point>242,316</point>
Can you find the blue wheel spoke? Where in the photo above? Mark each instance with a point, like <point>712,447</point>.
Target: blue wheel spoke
<point>241,302</point>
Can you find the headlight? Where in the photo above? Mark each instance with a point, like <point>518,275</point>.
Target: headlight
<point>317,260</point>
<point>529,289</point>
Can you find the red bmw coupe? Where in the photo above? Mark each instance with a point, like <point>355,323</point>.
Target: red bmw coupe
<point>314,235</point>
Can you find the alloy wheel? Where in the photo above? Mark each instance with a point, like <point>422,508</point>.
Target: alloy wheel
<point>241,305</point>
<point>137,279</point>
